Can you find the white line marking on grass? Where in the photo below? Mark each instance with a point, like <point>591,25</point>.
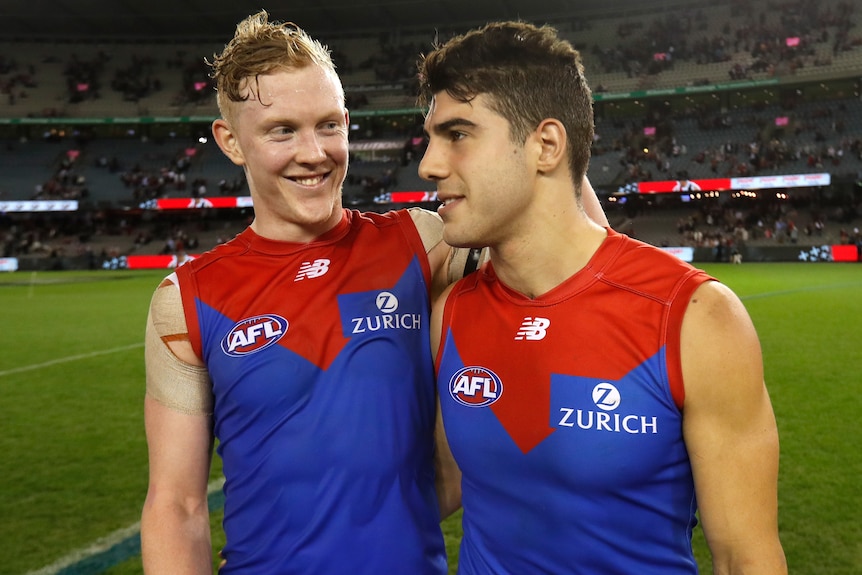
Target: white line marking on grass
<point>105,543</point>
<point>799,290</point>
<point>99,546</point>
<point>69,358</point>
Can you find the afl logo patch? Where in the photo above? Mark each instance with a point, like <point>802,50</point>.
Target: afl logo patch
<point>253,334</point>
<point>475,387</point>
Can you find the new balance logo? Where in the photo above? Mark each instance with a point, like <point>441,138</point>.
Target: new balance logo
<point>311,270</point>
<point>533,329</point>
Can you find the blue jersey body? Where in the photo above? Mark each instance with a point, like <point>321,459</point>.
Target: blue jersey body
<point>563,414</point>
<point>324,398</point>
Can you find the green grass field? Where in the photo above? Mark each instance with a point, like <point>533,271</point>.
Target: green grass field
<point>74,466</point>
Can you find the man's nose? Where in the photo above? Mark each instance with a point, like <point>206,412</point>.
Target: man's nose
<point>431,166</point>
<point>311,149</point>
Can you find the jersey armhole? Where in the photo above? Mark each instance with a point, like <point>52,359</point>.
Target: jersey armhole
<point>188,290</point>
<point>445,321</point>
<point>412,233</point>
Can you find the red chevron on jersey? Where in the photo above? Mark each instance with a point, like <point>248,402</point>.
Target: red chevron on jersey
<point>298,283</point>
<point>623,305</point>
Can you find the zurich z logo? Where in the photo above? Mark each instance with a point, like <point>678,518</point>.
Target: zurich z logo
<point>253,335</point>
<point>386,302</point>
<point>606,396</point>
<point>475,387</point>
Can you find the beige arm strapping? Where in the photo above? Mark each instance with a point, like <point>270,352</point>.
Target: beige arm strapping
<point>170,381</point>
<point>430,228</point>
<point>429,225</point>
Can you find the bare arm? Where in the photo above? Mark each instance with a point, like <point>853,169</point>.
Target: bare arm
<point>175,529</point>
<point>731,435</point>
<point>448,480</point>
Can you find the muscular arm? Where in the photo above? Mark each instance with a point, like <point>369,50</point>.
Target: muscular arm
<point>448,482</point>
<point>175,530</point>
<point>448,478</point>
<point>731,435</point>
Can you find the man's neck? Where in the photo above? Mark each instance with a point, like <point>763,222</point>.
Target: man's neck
<point>546,256</point>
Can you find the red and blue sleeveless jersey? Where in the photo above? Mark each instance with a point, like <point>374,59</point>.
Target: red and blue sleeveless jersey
<point>324,399</point>
<point>564,414</point>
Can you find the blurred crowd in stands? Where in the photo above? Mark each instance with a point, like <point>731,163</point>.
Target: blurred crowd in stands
<point>768,223</point>
<point>784,41</point>
<point>741,143</point>
<point>758,38</point>
<point>754,38</point>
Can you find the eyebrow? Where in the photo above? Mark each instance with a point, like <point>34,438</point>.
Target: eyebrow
<point>443,127</point>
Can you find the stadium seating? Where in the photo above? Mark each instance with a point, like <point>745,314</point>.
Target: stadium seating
<point>667,50</point>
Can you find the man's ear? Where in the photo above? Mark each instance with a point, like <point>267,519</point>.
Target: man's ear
<point>551,137</point>
<point>227,141</point>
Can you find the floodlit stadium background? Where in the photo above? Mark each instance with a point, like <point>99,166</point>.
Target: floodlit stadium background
<point>71,368</point>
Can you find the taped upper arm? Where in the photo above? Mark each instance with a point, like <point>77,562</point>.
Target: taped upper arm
<point>176,377</point>
<point>429,225</point>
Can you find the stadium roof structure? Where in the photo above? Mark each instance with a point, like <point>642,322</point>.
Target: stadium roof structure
<point>75,20</point>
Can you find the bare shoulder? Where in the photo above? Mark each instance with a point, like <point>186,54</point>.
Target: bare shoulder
<point>715,311</point>
<point>719,348</point>
<point>429,225</point>
<point>730,433</point>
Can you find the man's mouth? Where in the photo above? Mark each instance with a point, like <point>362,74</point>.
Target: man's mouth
<point>449,199</point>
<point>309,180</point>
<point>447,203</point>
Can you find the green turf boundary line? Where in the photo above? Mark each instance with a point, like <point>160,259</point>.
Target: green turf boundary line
<point>121,551</point>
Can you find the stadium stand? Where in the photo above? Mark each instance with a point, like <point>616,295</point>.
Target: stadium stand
<point>732,89</point>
